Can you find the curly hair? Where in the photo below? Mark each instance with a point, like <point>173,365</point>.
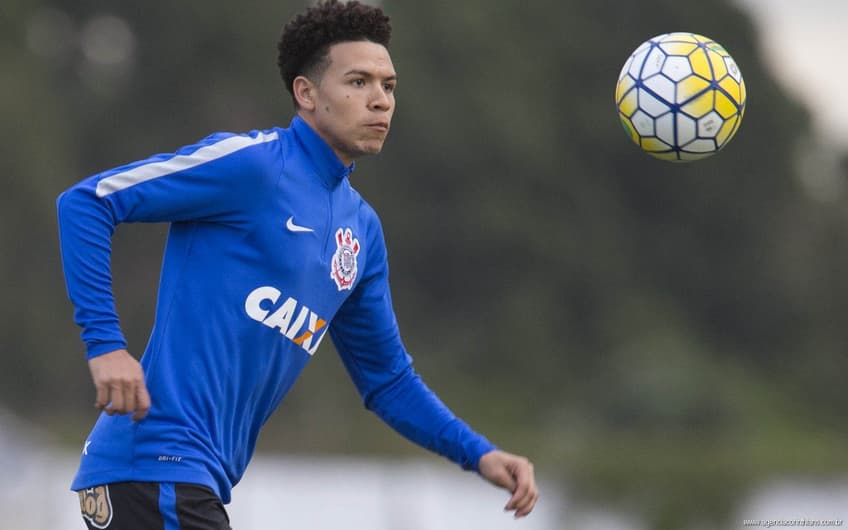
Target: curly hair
<point>305,42</point>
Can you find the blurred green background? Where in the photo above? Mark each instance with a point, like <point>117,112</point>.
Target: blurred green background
<point>663,337</point>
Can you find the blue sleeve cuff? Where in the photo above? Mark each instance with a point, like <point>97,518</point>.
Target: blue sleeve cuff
<point>475,452</point>
<point>97,349</point>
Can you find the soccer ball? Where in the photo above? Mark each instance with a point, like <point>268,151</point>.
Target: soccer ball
<point>680,97</point>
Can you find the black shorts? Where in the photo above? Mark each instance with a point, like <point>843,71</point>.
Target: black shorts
<point>152,506</point>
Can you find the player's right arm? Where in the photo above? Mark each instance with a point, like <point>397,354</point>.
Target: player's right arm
<point>214,181</point>
<point>119,382</point>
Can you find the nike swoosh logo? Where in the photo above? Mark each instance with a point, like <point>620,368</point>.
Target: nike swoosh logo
<point>296,228</point>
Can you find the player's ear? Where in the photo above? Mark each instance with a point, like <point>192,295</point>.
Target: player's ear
<point>304,92</point>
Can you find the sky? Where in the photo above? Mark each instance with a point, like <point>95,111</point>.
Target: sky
<point>804,43</point>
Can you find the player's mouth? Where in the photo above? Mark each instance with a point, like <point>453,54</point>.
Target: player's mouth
<point>380,126</point>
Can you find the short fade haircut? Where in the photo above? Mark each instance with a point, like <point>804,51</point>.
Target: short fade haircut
<point>305,42</point>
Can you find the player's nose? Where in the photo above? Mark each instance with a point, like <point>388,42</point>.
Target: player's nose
<point>380,99</point>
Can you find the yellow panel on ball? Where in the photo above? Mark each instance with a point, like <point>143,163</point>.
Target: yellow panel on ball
<point>717,62</point>
<point>678,48</point>
<point>700,64</point>
<point>689,87</point>
<point>724,106</point>
<point>718,48</point>
<point>732,88</point>
<point>629,103</point>
<point>681,37</point>
<point>727,130</point>
<point>623,86</point>
<point>700,106</point>
<point>670,156</point>
<point>628,128</point>
<point>654,145</point>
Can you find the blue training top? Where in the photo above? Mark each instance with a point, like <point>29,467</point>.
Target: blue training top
<point>269,249</point>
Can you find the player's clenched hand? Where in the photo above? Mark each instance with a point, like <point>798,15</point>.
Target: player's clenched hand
<point>120,386</point>
<point>513,473</point>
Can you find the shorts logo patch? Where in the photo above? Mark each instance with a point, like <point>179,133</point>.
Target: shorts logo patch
<point>96,506</point>
<point>343,268</point>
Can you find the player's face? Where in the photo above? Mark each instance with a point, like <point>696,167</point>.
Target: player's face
<point>352,105</point>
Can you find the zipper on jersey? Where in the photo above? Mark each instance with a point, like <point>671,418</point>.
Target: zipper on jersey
<point>329,233</point>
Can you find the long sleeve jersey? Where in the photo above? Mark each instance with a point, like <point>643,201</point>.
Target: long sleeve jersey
<point>269,249</point>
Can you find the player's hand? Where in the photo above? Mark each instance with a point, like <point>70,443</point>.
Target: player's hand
<point>119,381</point>
<point>513,473</point>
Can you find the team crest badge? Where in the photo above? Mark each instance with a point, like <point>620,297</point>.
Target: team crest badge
<point>343,268</point>
<point>96,506</point>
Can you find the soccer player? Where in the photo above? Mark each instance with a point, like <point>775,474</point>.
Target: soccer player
<point>269,250</point>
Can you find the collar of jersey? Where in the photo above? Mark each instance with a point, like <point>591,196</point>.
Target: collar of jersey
<point>326,164</point>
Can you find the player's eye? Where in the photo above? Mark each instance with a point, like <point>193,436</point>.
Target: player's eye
<point>358,82</point>
<point>389,87</point>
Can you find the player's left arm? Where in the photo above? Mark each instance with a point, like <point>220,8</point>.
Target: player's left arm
<point>366,335</point>
<point>515,474</point>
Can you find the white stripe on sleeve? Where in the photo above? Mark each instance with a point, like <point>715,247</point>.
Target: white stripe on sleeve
<point>136,175</point>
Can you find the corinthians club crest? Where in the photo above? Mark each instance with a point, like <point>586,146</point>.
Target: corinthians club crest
<point>343,268</point>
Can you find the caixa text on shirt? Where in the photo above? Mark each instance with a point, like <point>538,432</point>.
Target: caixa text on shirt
<point>294,320</point>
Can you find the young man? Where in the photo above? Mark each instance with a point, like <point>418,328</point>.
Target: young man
<point>269,250</point>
